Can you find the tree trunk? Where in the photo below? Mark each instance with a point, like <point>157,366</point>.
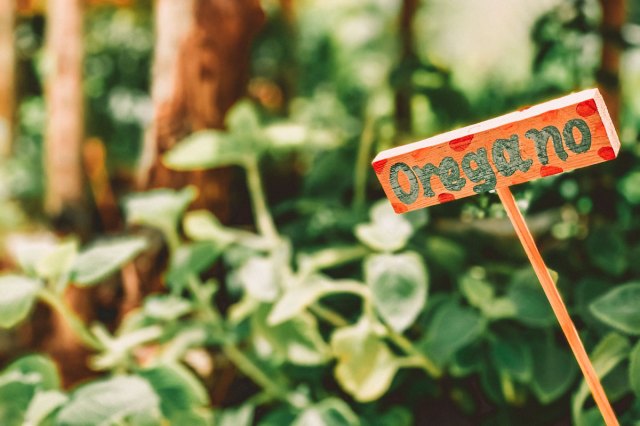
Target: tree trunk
<point>405,64</point>
<point>65,202</point>
<point>64,128</point>
<point>288,10</point>
<point>614,13</point>
<point>200,70</point>
<point>7,75</point>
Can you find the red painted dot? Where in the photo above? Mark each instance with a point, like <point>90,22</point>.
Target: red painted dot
<point>586,108</point>
<point>606,153</point>
<point>461,144</point>
<point>550,170</point>
<point>419,154</point>
<point>550,115</point>
<point>378,166</point>
<point>445,197</point>
<point>399,208</point>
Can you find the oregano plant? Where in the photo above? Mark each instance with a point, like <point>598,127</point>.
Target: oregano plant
<point>320,331</point>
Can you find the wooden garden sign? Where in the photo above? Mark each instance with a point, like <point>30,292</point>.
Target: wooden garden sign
<point>554,137</point>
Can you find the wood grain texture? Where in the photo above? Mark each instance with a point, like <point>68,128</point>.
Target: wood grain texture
<point>564,134</point>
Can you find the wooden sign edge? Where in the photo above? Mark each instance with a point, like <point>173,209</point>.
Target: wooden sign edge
<point>495,123</point>
<point>520,115</point>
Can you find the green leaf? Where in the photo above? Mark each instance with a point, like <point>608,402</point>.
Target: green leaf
<point>30,250</point>
<point>205,149</point>
<point>111,401</point>
<point>329,412</point>
<point>466,361</point>
<point>554,371</point>
<point>608,353</point>
<point>58,262</point>
<point>193,418</point>
<point>190,260</point>
<point>634,369</point>
<point>159,208</point>
<point>279,416</point>
<point>629,186</point>
<point>451,328</point>
<point>591,417</point>
<point>399,287</point>
<point>42,405</point>
<point>512,357</point>
<point>297,299</point>
<point>118,349</point>
<point>608,251</point>
<point>16,392</point>
<point>243,119</point>
<point>394,416</point>
<point>531,305</point>
<point>202,225</point>
<point>481,295</point>
<point>297,340</point>
<point>260,279</point>
<point>286,135</point>
<point>616,384</point>
<point>104,258</point>
<point>612,349</point>
<point>17,295</point>
<point>618,308</point>
<point>42,366</point>
<point>166,307</point>
<point>446,253</point>
<point>478,292</point>
<point>365,365</point>
<point>238,416</point>
<point>387,231</point>
<point>179,390</point>
<point>588,290</point>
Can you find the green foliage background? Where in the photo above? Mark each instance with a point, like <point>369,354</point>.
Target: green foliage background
<point>336,310</point>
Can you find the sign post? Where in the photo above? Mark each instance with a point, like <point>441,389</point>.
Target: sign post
<point>557,136</point>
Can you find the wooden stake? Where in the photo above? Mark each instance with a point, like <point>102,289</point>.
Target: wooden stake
<point>553,137</point>
<point>498,153</point>
<point>558,306</point>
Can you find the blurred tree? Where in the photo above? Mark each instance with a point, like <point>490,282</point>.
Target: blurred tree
<point>614,14</point>
<point>288,10</point>
<point>64,128</point>
<point>7,74</point>
<point>31,7</point>
<point>407,62</point>
<point>64,178</point>
<point>200,69</point>
<point>118,3</point>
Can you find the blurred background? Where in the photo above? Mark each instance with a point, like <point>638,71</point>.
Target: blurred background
<point>105,102</point>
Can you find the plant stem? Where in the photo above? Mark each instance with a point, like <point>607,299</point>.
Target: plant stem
<point>252,371</point>
<point>203,302</point>
<point>331,257</point>
<point>264,221</point>
<point>362,164</point>
<point>212,316</point>
<point>416,358</point>
<point>328,315</point>
<point>408,347</point>
<point>77,325</point>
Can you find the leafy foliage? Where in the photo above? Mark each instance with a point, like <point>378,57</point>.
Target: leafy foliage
<point>332,309</point>
<point>17,295</point>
